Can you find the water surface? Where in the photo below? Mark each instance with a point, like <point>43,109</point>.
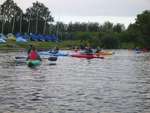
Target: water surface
<point>116,84</point>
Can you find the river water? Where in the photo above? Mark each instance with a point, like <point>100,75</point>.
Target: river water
<point>116,84</point>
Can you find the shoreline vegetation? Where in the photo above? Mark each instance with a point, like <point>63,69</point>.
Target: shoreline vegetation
<point>37,20</point>
<point>14,46</point>
<point>65,45</point>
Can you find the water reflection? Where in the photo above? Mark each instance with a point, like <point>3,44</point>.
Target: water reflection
<point>116,84</point>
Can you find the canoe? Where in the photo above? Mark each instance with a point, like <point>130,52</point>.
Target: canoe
<point>87,56</point>
<point>33,63</point>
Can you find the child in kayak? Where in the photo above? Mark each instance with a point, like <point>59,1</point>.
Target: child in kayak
<point>33,55</point>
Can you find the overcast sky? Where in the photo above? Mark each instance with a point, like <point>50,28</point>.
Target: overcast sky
<point>123,11</point>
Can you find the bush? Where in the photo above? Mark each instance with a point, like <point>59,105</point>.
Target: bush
<point>109,42</point>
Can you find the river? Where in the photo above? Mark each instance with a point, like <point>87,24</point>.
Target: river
<point>117,84</point>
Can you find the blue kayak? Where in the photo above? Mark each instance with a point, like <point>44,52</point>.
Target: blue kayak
<point>53,54</point>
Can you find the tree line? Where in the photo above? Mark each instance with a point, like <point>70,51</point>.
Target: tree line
<point>109,35</point>
<point>38,19</point>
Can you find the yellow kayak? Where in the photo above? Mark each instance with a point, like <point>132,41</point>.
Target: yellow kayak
<point>104,53</point>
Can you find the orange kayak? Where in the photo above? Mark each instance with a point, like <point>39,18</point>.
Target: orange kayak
<point>104,53</point>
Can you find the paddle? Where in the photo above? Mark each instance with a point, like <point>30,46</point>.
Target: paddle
<point>22,57</point>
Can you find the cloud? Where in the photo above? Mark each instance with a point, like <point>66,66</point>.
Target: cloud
<point>100,19</point>
<point>122,11</point>
<point>92,7</point>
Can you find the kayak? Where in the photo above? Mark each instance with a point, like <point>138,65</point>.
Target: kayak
<point>88,56</point>
<point>53,54</point>
<point>33,63</point>
<point>104,53</point>
<point>20,60</point>
<point>138,52</point>
<point>52,58</point>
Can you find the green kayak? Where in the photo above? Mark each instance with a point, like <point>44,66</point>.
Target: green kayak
<point>33,63</point>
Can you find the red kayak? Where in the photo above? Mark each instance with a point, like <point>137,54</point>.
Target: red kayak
<point>88,56</point>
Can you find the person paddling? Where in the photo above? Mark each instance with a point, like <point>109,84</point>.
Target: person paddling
<point>88,50</point>
<point>33,55</point>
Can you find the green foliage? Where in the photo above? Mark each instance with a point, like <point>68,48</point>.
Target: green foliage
<point>36,19</point>
<point>127,45</point>
<point>119,28</point>
<point>10,15</point>
<point>9,10</point>
<point>107,27</point>
<point>12,45</point>
<point>93,27</point>
<point>139,31</point>
<point>143,23</point>
<point>144,41</point>
<point>109,42</point>
<point>83,36</point>
<point>39,17</point>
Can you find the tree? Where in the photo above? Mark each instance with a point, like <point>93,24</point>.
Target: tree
<point>93,27</point>
<point>83,26</point>
<point>39,17</point>
<point>10,9</point>
<point>109,42</point>
<point>107,27</point>
<point>139,31</point>
<point>11,12</point>
<point>60,29</point>
<point>119,28</point>
<point>60,26</point>
<point>143,22</point>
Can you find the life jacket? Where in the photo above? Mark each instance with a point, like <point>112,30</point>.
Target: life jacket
<point>33,55</point>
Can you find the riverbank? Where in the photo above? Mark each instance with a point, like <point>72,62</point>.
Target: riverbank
<point>14,46</point>
<point>68,44</point>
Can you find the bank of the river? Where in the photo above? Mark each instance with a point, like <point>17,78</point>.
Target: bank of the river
<point>14,46</point>
<point>69,44</point>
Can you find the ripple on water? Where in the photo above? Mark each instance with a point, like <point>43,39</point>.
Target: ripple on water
<point>116,84</point>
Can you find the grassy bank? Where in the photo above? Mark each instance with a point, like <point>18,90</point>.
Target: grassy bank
<point>14,46</point>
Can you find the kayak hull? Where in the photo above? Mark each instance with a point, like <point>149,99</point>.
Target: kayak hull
<point>87,56</point>
<point>33,63</point>
<point>53,54</point>
<point>52,58</point>
<point>104,53</point>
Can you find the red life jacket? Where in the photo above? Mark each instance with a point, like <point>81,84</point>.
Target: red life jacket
<point>33,55</point>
